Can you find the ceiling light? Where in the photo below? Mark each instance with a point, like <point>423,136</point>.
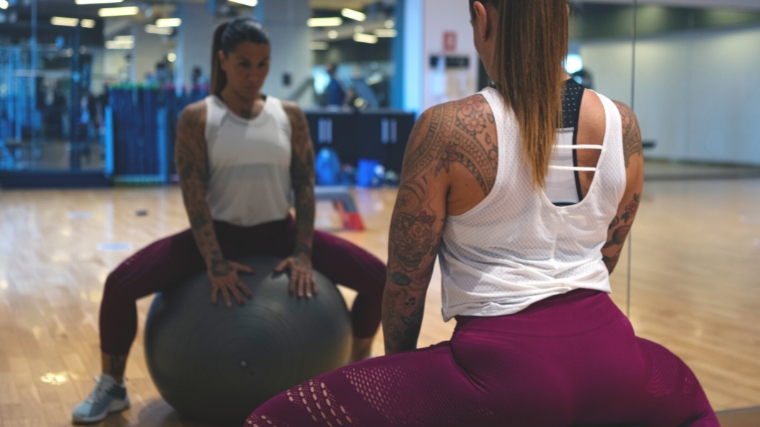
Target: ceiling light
<point>319,46</point>
<point>324,22</point>
<point>152,29</point>
<point>249,3</point>
<point>4,4</point>
<point>386,32</point>
<point>332,34</point>
<point>358,29</point>
<point>130,39</point>
<point>64,22</point>
<point>116,44</point>
<point>171,57</point>
<point>87,23</point>
<point>168,22</point>
<point>365,38</point>
<point>119,11</point>
<point>353,14</point>
<point>97,1</point>
<point>390,24</point>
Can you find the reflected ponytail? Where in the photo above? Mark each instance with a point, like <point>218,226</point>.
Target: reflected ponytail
<point>227,37</point>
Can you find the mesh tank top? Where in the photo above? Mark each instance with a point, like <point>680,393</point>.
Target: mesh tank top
<point>249,162</point>
<point>517,247</point>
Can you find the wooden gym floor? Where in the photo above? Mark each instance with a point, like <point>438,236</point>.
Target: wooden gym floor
<point>695,275</point>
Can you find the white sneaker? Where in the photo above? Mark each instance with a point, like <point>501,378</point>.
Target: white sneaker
<point>107,398</point>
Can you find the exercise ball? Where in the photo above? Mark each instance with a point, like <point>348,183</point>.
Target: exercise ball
<point>217,365</point>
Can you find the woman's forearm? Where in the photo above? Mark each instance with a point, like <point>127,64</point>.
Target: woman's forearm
<point>192,164</point>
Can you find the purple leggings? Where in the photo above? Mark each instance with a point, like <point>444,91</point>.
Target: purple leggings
<point>571,360</point>
<point>171,261</point>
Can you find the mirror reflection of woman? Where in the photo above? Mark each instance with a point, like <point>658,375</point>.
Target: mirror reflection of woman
<point>240,155</point>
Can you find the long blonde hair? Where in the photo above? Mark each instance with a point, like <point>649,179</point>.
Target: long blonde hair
<point>531,46</point>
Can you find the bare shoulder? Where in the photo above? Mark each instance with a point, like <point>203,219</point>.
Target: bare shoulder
<point>593,121</point>
<point>293,110</point>
<point>458,138</point>
<point>632,143</point>
<point>193,118</point>
<point>471,115</point>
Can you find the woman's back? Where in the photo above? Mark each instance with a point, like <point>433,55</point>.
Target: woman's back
<point>516,244</point>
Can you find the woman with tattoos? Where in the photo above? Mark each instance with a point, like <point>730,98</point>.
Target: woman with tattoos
<point>528,219</point>
<point>240,155</point>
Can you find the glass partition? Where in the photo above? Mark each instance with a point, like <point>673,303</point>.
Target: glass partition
<point>696,244</point>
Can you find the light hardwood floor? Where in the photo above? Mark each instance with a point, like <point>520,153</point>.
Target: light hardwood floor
<point>695,273</point>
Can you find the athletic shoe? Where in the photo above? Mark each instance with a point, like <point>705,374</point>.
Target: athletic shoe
<point>107,398</point>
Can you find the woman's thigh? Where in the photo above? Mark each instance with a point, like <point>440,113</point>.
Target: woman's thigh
<point>424,387</point>
<point>347,264</point>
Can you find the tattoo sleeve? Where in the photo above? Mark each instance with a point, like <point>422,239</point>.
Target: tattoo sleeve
<point>621,225</point>
<point>192,163</point>
<point>302,177</point>
<point>450,143</point>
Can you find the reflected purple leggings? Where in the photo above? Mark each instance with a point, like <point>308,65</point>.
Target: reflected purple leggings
<point>571,360</point>
<point>171,261</point>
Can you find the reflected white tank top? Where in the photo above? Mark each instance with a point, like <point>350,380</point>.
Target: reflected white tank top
<point>516,247</point>
<point>249,162</point>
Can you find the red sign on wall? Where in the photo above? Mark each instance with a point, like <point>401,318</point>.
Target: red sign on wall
<point>449,41</point>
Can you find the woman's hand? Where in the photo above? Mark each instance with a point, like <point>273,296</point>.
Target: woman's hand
<point>301,275</point>
<point>224,279</point>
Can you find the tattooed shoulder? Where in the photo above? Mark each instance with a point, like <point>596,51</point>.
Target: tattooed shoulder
<point>192,121</point>
<point>459,132</point>
<point>631,133</point>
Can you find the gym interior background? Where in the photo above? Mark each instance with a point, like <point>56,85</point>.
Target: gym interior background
<point>90,95</point>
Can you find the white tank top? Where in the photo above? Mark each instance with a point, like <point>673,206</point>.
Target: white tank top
<point>249,162</point>
<point>516,247</point>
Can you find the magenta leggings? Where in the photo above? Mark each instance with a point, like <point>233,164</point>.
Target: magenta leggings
<point>171,261</point>
<point>571,360</point>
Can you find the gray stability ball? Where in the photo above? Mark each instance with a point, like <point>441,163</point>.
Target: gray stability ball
<point>217,365</point>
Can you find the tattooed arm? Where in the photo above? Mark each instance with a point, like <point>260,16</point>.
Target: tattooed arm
<point>192,162</point>
<point>449,166</point>
<point>634,165</point>
<point>416,227</point>
<point>302,176</point>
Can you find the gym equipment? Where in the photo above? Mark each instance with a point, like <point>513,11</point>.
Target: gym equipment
<point>344,203</point>
<point>217,364</point>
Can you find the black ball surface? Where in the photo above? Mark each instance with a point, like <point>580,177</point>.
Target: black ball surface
<point>217,364</point>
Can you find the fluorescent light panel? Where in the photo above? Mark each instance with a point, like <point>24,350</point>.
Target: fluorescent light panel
<point>324,22</point>
<point>125,39</point>
<point>87,23</point>
<point>249,3</point>
<point>116,44</point>
<point>319,46</point>
<point>118,11</point>
<point>168,22</point>
<point>152,29</point>
<point>64,22</point>
<point>97,1</point>
<point>386,32</point>
<point>353,14</point>
<point>365,38</point>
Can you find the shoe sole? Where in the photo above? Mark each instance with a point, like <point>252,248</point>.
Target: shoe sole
<point>114,408</point>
